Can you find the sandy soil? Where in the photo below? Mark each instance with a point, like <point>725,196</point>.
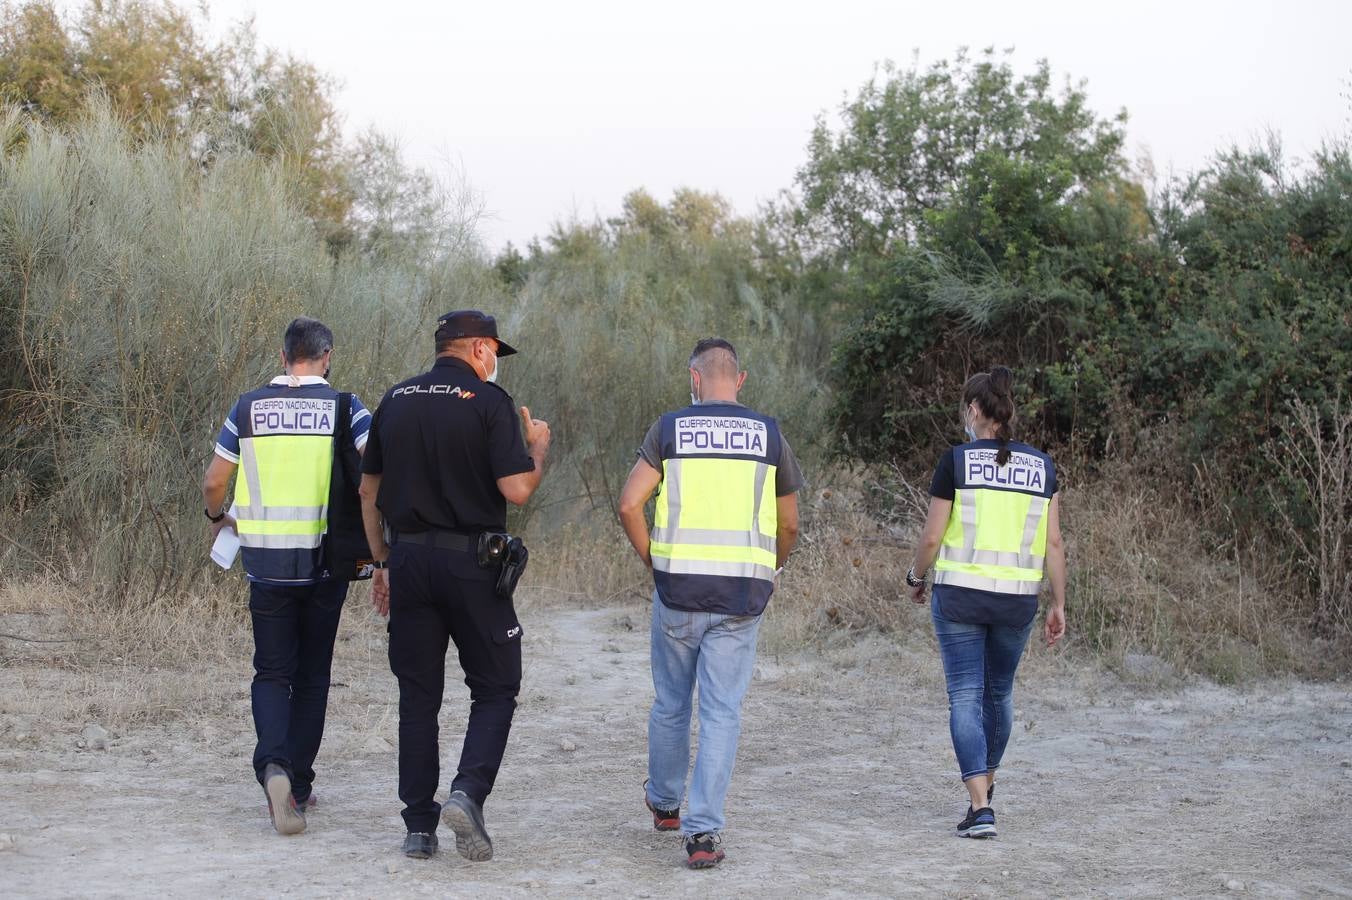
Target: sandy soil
<point>845,783</point>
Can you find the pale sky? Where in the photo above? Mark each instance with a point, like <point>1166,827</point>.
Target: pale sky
<point>551,109</point>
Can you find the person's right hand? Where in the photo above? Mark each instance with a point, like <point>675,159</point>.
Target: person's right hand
<point>918,593</point>
<point>537,430</point>
<point>1056,624</point>
<point>380,591</point>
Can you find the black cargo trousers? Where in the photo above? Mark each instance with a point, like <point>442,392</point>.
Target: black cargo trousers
<point>438,596</point>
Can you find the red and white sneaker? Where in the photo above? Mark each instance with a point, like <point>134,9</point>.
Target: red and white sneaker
<point>663,819</point>
<point>702,851</point>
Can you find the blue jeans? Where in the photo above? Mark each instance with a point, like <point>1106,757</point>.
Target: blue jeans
<point>718,652</point>
<point>294,627</point>
<point>979,665</point>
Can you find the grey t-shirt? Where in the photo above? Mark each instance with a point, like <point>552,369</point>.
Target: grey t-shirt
<point>788,476</point>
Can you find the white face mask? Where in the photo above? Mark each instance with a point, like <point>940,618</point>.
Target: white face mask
<point>491,376</point>
<point>694,400</point>
<point>967,427</point>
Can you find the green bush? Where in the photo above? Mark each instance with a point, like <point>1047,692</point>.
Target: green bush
<point>1216,304</point>
<point>607,316</point>
<point>142,292</point>
<point>1013,235</point>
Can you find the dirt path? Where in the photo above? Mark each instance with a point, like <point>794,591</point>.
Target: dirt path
<point>845,785</point>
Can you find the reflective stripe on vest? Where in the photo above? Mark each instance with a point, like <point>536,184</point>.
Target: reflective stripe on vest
<point>996,541</point>
<point>281,493</point>
<point>715,518</point>
<point>283,498</point>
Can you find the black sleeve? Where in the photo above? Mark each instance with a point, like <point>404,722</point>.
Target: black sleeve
<point>506,446</point>
<point>941,485</point>
<point>372,460</point>
<point>650,451</point>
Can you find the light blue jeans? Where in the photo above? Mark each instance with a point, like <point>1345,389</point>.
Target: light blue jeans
<point>718,652</point>
<point>979,666</point>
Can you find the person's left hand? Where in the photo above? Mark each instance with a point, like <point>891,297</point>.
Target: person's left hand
<point>1056,625</point>
<point>918,593</point>
<point>227,522</point>
<point>380,591</point>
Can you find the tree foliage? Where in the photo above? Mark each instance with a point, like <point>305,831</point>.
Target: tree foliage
<point>965,156</point>
<point>159,73</point>
<point>962,217</point>
<point>950,215</point>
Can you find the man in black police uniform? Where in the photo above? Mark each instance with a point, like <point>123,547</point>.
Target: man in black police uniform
<point>444,457</point>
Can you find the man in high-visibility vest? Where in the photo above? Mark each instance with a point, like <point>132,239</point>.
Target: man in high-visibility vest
<point>282,436</point>
<point>724,522</point>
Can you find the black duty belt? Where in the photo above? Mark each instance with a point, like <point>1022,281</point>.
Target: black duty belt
<point>441,539</point>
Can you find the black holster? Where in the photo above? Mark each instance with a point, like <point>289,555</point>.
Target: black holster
<point>508,555</point>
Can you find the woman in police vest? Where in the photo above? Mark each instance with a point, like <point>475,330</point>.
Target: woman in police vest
<point>993,525</point>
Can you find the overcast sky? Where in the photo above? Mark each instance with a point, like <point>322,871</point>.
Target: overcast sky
<point>558,108</point>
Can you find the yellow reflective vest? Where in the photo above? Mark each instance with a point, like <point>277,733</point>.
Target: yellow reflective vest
<point>715,524</point>
<point>996,538</point>
<point>282,490</point>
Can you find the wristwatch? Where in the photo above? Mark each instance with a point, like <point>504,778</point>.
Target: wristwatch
<point>211,518</point>
<point>380,563</point>
<point>912,580</point>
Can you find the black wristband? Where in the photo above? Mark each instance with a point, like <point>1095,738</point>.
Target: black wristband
<point>211,518</point>
<point>380,563</point>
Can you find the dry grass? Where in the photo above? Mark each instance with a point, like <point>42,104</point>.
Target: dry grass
<point>65,660</point>
<point>583,566</point>
<point>1143,579</point>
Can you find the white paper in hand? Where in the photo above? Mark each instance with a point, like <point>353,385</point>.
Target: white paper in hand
<point>226,548</point>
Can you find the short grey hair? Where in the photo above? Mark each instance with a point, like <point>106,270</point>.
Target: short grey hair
<point>306,339</point>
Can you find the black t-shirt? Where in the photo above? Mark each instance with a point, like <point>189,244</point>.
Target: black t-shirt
<point>440,441</point>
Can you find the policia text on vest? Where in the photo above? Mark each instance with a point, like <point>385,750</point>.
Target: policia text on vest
<point>996,537</point>
<point>715,521</point>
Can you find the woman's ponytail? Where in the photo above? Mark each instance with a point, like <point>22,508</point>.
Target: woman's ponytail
<point>993,391</point>
<point>1002,386</point>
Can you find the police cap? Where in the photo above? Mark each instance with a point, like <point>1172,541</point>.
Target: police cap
<point>470,323</point>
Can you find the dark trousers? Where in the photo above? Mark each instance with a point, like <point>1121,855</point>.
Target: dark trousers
<point>436,597</point>
<point>294,627</point>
